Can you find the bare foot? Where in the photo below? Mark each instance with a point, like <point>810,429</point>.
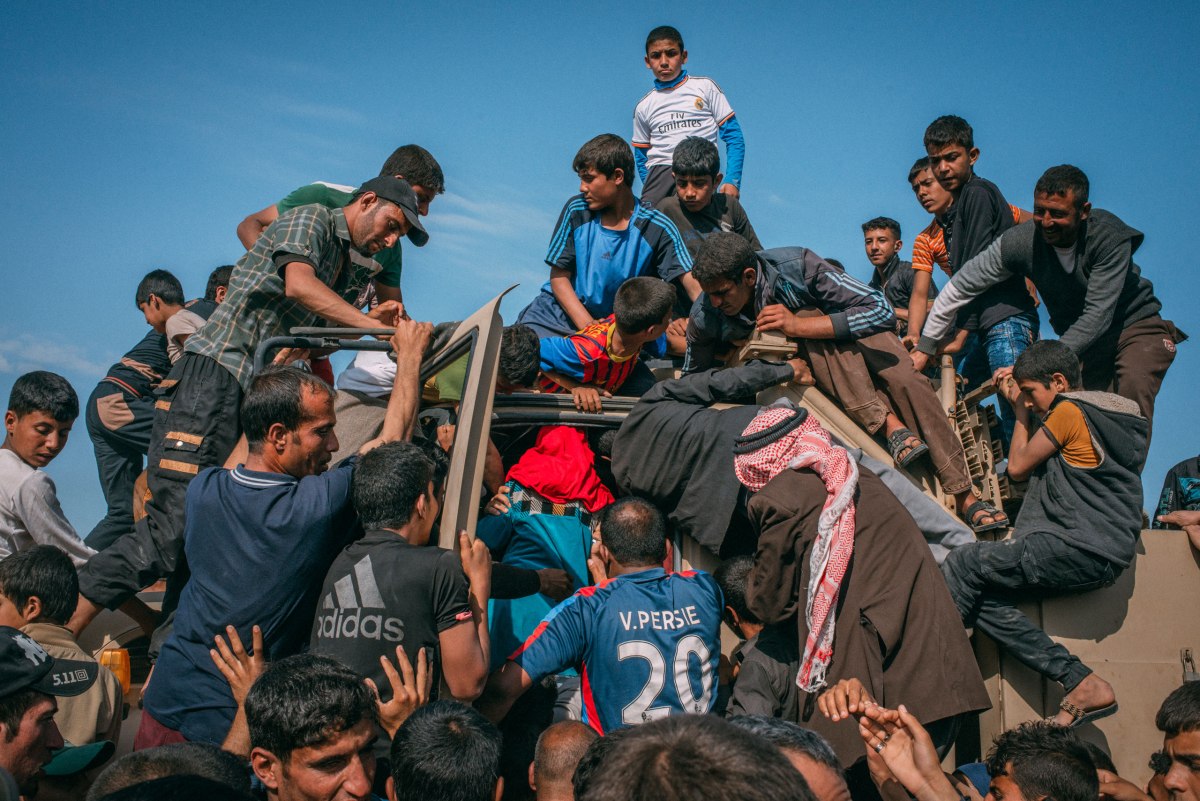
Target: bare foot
<point>1092,693</point>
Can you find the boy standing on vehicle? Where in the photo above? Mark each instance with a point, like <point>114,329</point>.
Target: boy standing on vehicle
<point>697,208</point>
<point>600,359</point>
<point>1004,319</point>
<point>893,276</point>
<point>1079,523</point>
<point>604,237</point>
<point>120,411</point>
<point>646,642</point>
<point>680,105</point>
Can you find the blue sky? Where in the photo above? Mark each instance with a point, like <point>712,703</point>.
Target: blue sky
<point>137,136</point>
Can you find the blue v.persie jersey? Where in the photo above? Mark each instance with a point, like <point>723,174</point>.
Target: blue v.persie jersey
<point>646,645</point>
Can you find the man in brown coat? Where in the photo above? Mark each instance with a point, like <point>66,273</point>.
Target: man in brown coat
<point>895,627</point>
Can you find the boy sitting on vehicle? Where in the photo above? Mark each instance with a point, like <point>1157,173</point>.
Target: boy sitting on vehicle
<point>38,592</point>
<point>1079,524</point>
<point>603,237</point>
<point>601,358</point>
<point>697,208</point>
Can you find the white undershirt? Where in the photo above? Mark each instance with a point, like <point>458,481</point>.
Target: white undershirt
<point>1066,257</point>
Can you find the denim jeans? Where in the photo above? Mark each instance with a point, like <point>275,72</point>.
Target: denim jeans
<point>990,349</point>
<point>988,579</point>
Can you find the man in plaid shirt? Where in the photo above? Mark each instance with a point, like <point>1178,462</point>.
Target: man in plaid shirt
<point>303,268</point>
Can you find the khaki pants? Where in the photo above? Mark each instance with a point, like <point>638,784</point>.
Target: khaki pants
<point>873,376</point>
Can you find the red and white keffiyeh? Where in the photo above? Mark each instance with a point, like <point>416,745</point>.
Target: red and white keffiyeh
<point>809,445</point>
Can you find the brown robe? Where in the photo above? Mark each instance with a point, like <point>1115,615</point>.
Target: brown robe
<point>898,631</point>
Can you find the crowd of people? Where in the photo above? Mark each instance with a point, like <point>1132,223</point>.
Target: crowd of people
<point>314,642</point>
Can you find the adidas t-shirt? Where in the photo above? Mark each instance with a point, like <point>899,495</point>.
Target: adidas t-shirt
<point>381,592</point>
<point>695,106</point>
<point>646,645</point>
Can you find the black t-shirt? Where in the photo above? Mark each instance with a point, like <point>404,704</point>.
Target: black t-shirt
<point>381,592</point>
<point>723,213</point>
<point>145,365</point>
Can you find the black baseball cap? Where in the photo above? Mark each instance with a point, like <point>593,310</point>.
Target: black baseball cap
<point>400,192</point>
<point>25,665</point>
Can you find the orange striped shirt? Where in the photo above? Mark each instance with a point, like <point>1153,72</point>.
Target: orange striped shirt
<point>930,246</point>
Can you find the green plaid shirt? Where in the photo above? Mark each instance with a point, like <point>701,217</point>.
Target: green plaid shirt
<point>256,307</point>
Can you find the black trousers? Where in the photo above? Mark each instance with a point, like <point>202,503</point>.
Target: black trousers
<point>988,579</point>
<point>119,425</point>
<point>196,425</point>
<point>659,183</point>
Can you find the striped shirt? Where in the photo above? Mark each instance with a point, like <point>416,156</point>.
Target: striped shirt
<point>257,307</point>
<point>930,246</point>
<point>586,357</point>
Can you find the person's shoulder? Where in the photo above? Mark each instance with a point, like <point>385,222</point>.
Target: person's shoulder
<point>319,192</point>
<point>981,190</point>
<point>703,82</point>
<point>670,206</point>
<point>654,222</point>
<point>1106,229</point>
<point>576,211</point>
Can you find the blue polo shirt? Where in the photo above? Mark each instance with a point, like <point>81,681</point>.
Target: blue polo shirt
<point>646,645</point>
<point>258,546</point>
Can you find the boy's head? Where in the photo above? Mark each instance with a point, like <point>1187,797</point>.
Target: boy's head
<point>696,164</point>
<point>41,410</point>
<point>520,356</point>
<point>218,283</point>
<point>1045,369</point>
<point>731,578</point>
<point>726,269</point>
<point>159,295</point>
<point>1060,204</point>
<point>633,533</point>
<point>932,196</point>
<point>665,55</point>
<point>1179,720</point>
<point>417,165</point>
<point>1039,760</point>
<point>881,238</point>
<point>642,307</point>
<point>38,585</point>
<point>605,168</point>
<point>950,143</point>
<point>395,485</point>
<point>446,750</point>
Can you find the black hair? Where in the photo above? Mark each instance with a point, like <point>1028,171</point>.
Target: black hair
<point>161,284</point>
<point>1046,761</point>
<point>731,576</point>
<point>201,760</point>
<point>696,157</point>
<point>605,442</point>
<point>788,736</point>
<point>1100,757</point>
<point>593,759</point>
<point>641,303</point>
<point>694,756</point>
<point>949,130</point>
<point>216,279</point>
<point>559,750</point>
<point>664,32</point>
<point>876,223</point>
<point>44,572</point>
<point>635,532</point>
<point>42,391</point>
<point>178,788</point>
<point>446,750</point>
<point>388,481</point>
<point>417,165</point>
<point>303,700</point>
<point>835,263</point>
<point>1063,179</point>
<point>276,395</point>
<point>520,355</point>
<point>1180,711</point>
<point>1043,359</point>
<point>723,256</point>
<point>13,708</point>
<point>441,465</point>
<point>918,166</point>
<point>606,154</point>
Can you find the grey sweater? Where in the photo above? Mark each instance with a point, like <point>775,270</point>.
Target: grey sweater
<point>1104,293</point>
<point>30,513</point>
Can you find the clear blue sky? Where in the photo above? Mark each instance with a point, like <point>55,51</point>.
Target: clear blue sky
<point>137,136</point>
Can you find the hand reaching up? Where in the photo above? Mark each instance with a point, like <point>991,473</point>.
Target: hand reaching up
<point>410,689</point>
<point>238,667</point>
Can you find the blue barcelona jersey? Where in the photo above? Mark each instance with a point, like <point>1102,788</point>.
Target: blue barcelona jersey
<point>646,645</point>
